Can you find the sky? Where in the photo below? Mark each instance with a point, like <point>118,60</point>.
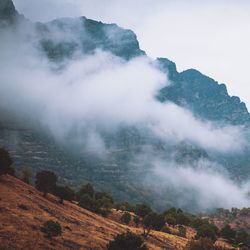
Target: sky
<point>211,36</point>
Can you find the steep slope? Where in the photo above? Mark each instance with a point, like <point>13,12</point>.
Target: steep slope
<point>23,210</point>
<point>205,97</point>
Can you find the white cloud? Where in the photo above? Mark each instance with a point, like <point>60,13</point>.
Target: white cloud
<point>211,36</point>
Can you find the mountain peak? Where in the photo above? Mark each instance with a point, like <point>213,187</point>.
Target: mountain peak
<point>8,11</point>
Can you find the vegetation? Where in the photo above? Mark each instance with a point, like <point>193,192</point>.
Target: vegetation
<point>52,228</point>
<point>152,221</point>
<point>127,241</point>
<point>64,193</point>
<point>126,218</point>
<point>46,182</point>
<point>26,175</point>
<point>201,244</point>
<point>6,163</point>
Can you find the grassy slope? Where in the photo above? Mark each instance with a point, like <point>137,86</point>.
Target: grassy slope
<point>20,229</point>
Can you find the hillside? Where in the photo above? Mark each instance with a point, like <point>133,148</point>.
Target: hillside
<point>23,211</point>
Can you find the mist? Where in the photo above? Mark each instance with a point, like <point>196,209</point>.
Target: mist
<point>97,94</point>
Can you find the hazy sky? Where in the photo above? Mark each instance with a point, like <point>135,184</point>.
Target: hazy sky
<point>211,36</point>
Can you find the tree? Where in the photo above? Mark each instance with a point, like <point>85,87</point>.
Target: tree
<point>64,193</point>
<point>228,233</point>
<point>207,231</point>
<point>46,181</point>
<point>127,241</point>
<point>142,210</point>
<point>5,163</point>
<point>170,220</point>
<point>52,228</point>
<point>153,221</point>
<point>136,220</point>
<point>89,203</point>
<point>201,244</point>
<point>87,189</point>
<point>243,238</point>
<point>182,231</point>
<point>26,175</point>
<point>126,218</point>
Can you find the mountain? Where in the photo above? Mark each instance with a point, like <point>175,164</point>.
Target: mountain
<point>205,97</point>
<point>62,40</point>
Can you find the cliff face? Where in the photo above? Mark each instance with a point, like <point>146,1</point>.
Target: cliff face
<point>202,95</point>
<point>85,36</point>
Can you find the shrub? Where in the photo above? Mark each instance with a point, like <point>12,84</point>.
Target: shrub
<point>228,233</point>
<point>26,174</point>
<point>87,189</point>
<point>52,228</point>
<point>142,210</point>
<point>153,221</point>
<point>126,218</point>
<point>64,193</point>
<point>207,231</point>
<point>182,231</point>
<point>136,221</point>
<point>46,181</point>
<point>5,163</point>
<point>201,244</point>
<point>127,241</point>
<point>89,203</point>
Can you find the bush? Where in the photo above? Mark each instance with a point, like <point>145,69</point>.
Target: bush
<point>64,193</point>
<point>127,241</point>
<point>136,221</point>
<point>87,189</point>
<point>228,233</point>
<point>207,231</point>
<point>182,231</point>
<point>201,244</point>
<point>153,221</point>
<point>126,218</point>
<point>5,163</point>
<point>142,210</point>
<point>26,175</point>
<point>89,203</point>
<point>52,228</point>
<point>46,182</point>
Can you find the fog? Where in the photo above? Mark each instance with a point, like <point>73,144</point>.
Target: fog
<point>100,93</point>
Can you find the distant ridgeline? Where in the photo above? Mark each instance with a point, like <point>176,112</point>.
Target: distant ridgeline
<point>196,92</point>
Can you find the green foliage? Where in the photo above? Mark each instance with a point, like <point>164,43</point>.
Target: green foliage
<point>242,238</point>
<point>170,220</point>
<point>26,175</point>
<point>65,193</point>
<point>46,181</point>
<point>5,163</point>
<point>228,233</point>
<point>153,221</point>
<point>124,206</point>
<point>175,216</point>
<point>127,241</point>
<point>136,220</point>
<point>52,228</point>
<point>182,231</point>
<point>87,189</point>
<point>207,231</point>
<point>89,203</point>
<point>201,244</point>
<point>142,210</point>
<point>126,218</point>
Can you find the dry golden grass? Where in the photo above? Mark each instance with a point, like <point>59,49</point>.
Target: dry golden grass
<point>20,228</point>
